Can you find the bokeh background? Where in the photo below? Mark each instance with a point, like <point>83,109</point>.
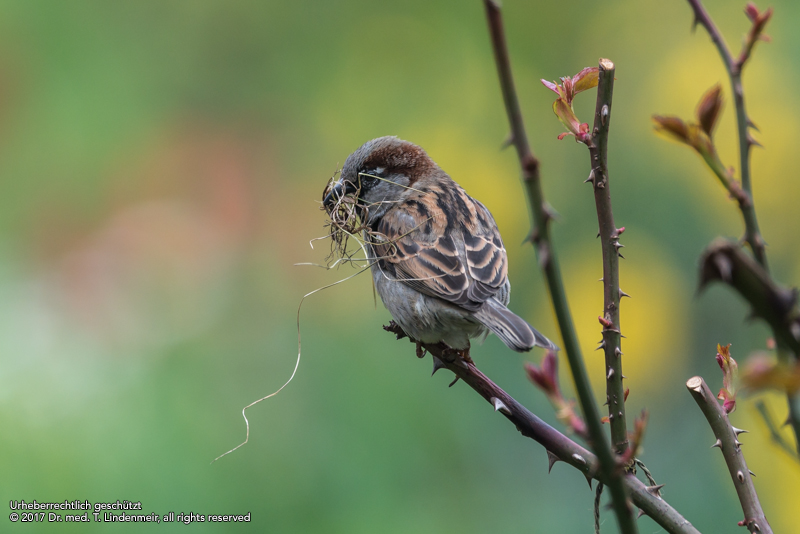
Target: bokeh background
<point>162,165</point>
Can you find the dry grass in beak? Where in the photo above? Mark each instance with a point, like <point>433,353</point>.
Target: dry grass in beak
<point>346,220</point>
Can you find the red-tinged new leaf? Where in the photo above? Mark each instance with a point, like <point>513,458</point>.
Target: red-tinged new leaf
<point>546,376</point>
<point>763,372</point>
<point>751,11</point>
<point>674,127</point>
<point>708,109</point>
<point>567,117</point>
<point>585,79</point>
<point>729,400</point>
<point>730,369</point>
<point>635,439</point>
<point>730,373</point>
<point>553,87</point>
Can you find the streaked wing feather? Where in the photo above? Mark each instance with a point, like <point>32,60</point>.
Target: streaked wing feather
<point>424,254</point>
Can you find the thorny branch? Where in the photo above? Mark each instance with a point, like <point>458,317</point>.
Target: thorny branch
<point>609,237</point>
<point>759,20</point>
<point>743,122</point>
<point>725,261</point>
<point>542,240</point>
<point>728,442</point>
<point>774,433</point>
<point>559,447</point>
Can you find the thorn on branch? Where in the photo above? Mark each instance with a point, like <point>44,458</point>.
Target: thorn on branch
<point>549,213</point>
<point>655,490</point>
<point>507,142</point>
<point>500,406</point>
<point>551,460</point>
<point>752,142</point>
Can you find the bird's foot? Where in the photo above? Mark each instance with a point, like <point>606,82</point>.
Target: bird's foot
<point>461,354</point>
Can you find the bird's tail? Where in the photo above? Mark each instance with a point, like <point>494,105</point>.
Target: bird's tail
<point>515,332</point>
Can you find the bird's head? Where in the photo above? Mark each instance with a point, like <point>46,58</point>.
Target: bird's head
<point>381,172</point>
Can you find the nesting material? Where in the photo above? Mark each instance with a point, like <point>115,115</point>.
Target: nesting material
<point>346,221</point>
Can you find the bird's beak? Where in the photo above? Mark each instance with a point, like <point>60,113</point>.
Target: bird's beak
<point>339,190</point>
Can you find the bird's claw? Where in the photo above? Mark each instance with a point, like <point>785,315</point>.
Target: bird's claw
<point>461,355</point>
<point>395,329</point>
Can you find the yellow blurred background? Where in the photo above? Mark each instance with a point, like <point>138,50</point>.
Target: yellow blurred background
<point>162,168</point>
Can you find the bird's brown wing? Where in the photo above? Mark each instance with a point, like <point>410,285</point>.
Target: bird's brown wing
<point>449,248</point>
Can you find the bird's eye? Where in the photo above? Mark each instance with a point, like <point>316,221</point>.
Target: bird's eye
<point>369,177</point>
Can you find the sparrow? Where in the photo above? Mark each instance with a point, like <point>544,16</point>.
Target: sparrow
<point>437,258</point>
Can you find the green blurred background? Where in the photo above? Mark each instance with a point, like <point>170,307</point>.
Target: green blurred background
<point>162,165</point>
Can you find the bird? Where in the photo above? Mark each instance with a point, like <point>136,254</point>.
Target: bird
<point>436,255</point>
